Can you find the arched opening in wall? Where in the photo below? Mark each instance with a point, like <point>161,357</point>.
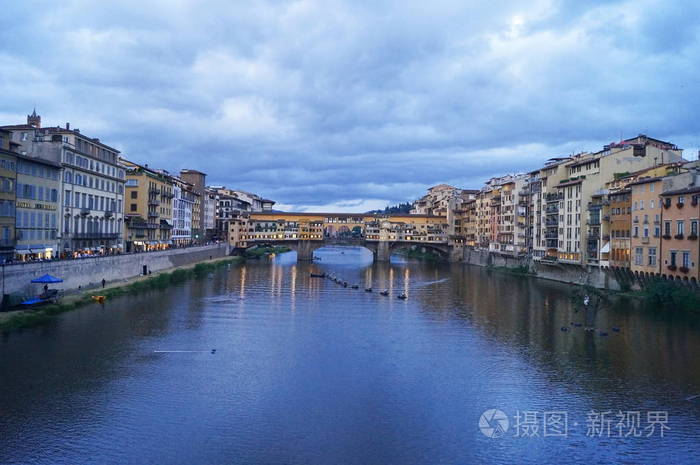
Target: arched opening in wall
<point>426,252</point>
<point>343,254</point>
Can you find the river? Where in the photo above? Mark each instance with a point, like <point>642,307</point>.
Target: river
<point>306,371</point>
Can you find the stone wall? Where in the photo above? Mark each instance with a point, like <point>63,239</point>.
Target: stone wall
<point>86,272</point>
<point>567,273</point>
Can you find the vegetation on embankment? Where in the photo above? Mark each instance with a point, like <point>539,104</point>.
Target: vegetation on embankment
<point>32,317</point>
<point>516,270</point>
<point>417,254</point>
<point>258,252</point>
<point>671,296</point>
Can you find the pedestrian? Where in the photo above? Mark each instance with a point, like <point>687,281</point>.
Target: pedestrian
<point>46,288</point>
<point>103,283</point>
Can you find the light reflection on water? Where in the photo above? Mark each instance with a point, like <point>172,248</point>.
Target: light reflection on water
<point>307,371</point>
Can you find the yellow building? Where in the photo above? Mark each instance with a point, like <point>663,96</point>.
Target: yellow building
<point>8,180</point>
<point>148,208</point>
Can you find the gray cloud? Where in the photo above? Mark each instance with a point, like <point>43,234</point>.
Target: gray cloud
<point>321,104</point>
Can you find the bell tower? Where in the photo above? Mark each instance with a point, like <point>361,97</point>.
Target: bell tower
<point>34,120</point>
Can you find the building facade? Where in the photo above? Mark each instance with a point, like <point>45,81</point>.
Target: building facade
<point>8,183</point>
<point>148,211</point>
<point>37,209</point>
<point>92,190</point>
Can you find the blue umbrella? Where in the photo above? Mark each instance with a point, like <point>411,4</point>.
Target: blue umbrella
<point>47,279</point>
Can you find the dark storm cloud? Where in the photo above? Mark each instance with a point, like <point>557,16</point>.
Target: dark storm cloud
<point>353,105</point>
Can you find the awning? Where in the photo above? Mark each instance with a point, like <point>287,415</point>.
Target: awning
<point>606,248</point>
<point>47,279</point>
<point>33,250</point>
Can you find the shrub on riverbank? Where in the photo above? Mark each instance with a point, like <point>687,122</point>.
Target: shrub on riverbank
<point>417,254</point>
<point>671,296</point>
<point>264,251</point>
<point>518,270</point>
<point>33,317</point>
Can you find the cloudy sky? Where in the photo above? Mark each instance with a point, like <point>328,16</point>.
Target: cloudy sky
<point>352,105</point>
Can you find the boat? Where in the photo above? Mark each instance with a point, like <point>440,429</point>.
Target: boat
<point>385,292</point>
<point>402,296</point>
<point>368,289</point>
<point>318,275</point>
<point>355,286</point>
<point>345,284</point>
<point>99,298</point>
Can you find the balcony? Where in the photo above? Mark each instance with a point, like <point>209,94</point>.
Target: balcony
<point>645,240</point>
<point>96,235</point>
<point>680,204</point>
<point>85,211</point>
<point>109,213</point>
<point>153,202</point>
<point>154,190</point>
<point>666,236</point>
<point>693,237</point>
<point>152,214</point>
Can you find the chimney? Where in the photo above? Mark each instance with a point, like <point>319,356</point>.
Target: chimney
<point>67,125</point>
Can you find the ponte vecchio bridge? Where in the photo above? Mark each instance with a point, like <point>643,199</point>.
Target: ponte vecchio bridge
<point>306,232</point>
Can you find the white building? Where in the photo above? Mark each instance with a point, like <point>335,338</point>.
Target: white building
<point>183,201</point>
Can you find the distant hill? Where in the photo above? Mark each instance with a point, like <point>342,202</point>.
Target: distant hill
<point>400,208</point>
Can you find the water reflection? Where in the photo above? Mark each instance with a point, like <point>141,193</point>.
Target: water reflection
<point>307,371</point>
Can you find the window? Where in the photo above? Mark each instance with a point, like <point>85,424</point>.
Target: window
<point>667,228</point>
<point>673,257</point>
<point>641,204</point>
<point>652,256</point>
<point>686,259</point>
<point>133,207</point>
<point>693,227</point>
<point>646,231</point>
<point>681,200</point>
<point>636,231</point>
<point>680,227</point>
<point>134,194</point>
<point>638,256</point>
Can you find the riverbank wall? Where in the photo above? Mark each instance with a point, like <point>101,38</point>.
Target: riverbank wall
<point>608,278</point>
<point>89,272</point>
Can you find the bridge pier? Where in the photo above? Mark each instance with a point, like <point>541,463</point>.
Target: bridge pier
<point>305,251</point>
<point>383,252</point>
<point>455,253</point>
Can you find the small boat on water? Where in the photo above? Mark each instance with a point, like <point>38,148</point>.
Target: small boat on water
<point>368,289</point>
<point>318,275</point>
<point>402,296</point>
<point>355,286</point>
<point>345,284</point>
<point>99,298</point>
<point>385,292</point>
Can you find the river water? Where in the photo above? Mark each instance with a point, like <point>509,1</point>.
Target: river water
<point>309,372</point>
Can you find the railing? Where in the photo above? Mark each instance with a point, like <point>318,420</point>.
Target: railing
<point>93,235</point>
